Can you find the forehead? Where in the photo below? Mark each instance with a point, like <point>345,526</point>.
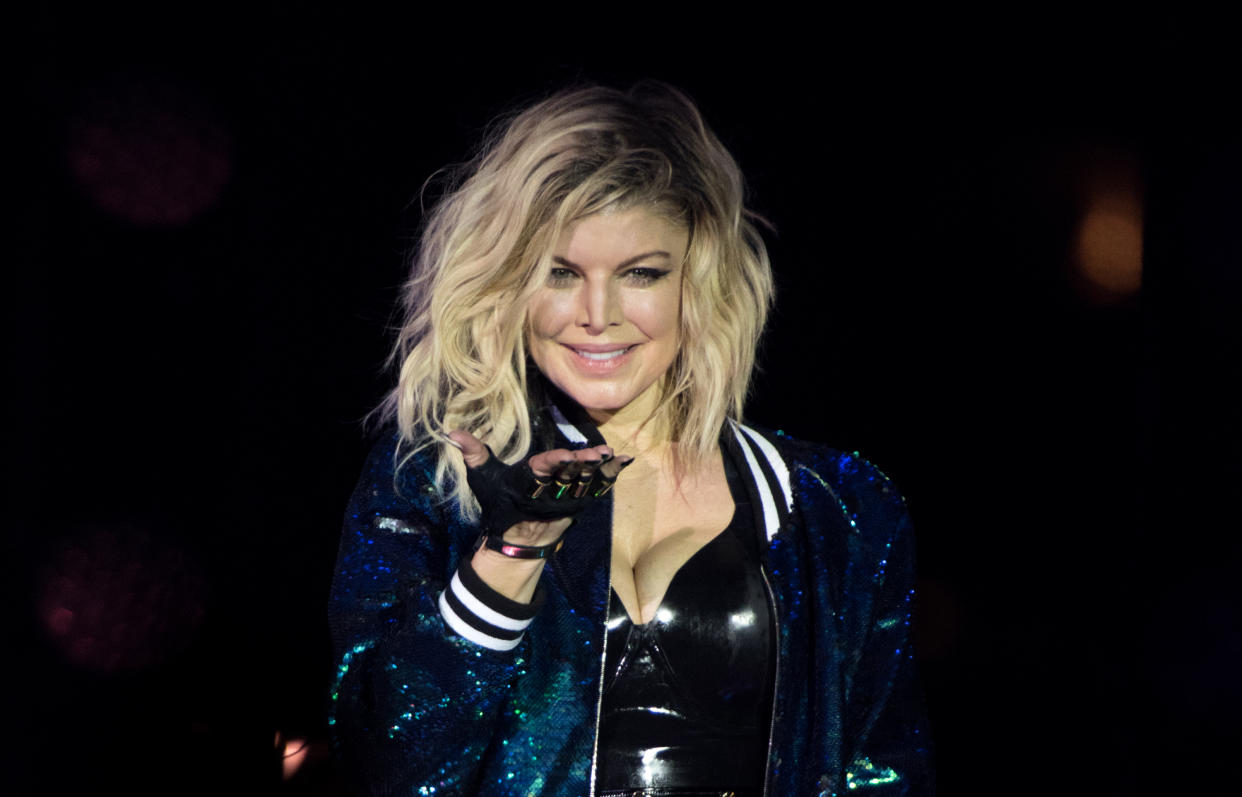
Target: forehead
<point>619,234</point>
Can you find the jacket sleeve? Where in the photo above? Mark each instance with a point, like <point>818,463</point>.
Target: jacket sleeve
<point>887,749</point>
<point>426,653</point>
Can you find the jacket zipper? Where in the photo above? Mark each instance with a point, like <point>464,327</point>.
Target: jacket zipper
<point>776,675</point>
<point>599,698</point>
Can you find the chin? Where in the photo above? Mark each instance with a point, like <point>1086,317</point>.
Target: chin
<point>606,398</point>
<point>596,401</point>
<point>634,385</point>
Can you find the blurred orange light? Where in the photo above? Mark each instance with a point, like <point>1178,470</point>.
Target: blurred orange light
<point>1110,243</point>
<point>294,756</point>
<point>1108,247</point>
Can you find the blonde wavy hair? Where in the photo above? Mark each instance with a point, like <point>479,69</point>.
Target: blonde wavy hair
<point>486,248</point>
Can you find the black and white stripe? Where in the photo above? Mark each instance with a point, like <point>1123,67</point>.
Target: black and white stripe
<point>572,433</point>
<point>771,476</point>
<point>481,614</point>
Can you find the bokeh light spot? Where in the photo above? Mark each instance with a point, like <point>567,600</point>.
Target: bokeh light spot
<point>149,151</point>
<point>1110,243</point>
<point>120,599</point>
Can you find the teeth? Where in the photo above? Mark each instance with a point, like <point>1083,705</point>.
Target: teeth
<point>604,355</point>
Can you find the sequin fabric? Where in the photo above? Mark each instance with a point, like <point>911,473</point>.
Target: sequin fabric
<point>418,710</point>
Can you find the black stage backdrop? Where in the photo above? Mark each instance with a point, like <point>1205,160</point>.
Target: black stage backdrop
<point>213,210</point>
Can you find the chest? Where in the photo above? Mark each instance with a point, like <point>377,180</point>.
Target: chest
<point>658,524</point>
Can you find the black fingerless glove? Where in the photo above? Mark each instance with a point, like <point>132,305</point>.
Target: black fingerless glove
<point>512,494</point>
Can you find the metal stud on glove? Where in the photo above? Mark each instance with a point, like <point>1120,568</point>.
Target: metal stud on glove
<point>513,494</point>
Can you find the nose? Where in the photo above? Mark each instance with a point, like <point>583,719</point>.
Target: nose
<point>601,306</point>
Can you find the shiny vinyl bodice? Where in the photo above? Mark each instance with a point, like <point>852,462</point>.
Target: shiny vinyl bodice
<point>416,708</point>
<point>687,695</point>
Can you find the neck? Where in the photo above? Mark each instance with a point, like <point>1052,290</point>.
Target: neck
<point>632,429</point>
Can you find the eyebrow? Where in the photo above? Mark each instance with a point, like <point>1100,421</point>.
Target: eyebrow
<point>631,261</point>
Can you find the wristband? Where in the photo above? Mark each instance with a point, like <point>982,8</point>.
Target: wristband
<point>514,551</point>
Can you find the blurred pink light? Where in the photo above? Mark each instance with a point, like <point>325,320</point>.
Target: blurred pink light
<point>119,599</point>
<point>149,152</point>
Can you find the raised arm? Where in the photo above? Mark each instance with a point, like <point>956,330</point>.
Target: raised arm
<point>414,701</point>
<point>429,633</point>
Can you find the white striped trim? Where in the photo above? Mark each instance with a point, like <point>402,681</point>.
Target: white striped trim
<point>770,517</point>
<point>571,432</point>
<point>469,632</point>
<point>482,610</point>
<point>774,460</point>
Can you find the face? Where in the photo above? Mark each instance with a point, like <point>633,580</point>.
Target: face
<point>604,326</point>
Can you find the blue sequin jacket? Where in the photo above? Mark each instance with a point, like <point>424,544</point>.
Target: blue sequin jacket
<point>425,703</point>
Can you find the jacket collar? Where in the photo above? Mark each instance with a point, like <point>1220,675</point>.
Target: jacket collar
<point>753,454</point>
<point>767,476</point>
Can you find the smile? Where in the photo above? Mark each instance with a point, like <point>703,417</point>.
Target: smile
<point>601,355</point>
<point>599,358</point>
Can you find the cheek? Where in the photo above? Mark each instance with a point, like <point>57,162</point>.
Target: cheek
<point>658,315</point>
<point>547,316</point>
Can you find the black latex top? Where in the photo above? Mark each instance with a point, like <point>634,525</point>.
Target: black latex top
<point>687,695</point>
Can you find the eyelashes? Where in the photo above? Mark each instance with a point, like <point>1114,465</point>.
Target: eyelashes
<point>561,277</point>
<point>646,275</point>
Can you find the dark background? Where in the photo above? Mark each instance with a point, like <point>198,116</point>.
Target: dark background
<point>213,210</point>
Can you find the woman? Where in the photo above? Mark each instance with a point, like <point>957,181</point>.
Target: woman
<point>570,569</point>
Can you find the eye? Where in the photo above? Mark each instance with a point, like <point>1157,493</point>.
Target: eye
<point>645,275</point>
<point>560,276</point>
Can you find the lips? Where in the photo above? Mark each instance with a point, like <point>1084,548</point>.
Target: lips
<point>600,356</point>
<point>597,358</point>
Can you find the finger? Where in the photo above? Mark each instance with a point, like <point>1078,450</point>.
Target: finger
<point>547,463</point>
<point>589,460</point>
<point>593,454</point>
<point>608,476</point>
<point>613,467</point>
<point>565,478</point>
<point>586,475</point>
<point>472,448</point>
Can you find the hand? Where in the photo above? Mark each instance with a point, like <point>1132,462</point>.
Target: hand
<point>534,502</point>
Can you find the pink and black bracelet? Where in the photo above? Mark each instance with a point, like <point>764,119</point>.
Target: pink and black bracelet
<point>514,551</point>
